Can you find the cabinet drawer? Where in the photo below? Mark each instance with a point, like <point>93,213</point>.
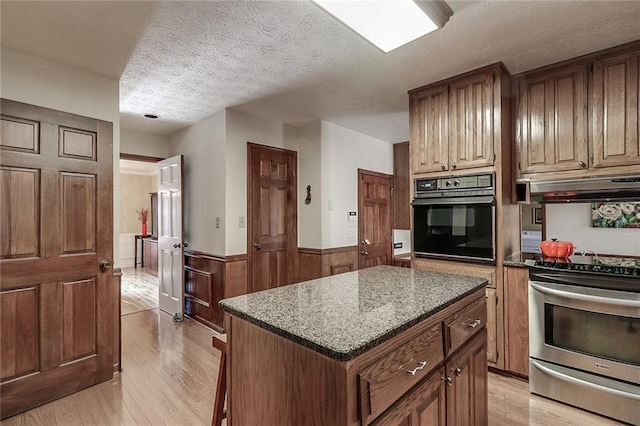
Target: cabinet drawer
<point>464,324</point>
<point>385,380</point>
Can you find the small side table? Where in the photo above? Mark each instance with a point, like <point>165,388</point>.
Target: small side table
<point>135,249</point>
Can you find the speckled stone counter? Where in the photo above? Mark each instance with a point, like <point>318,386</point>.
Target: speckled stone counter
<point>345,315</point>
<point>518,259</point>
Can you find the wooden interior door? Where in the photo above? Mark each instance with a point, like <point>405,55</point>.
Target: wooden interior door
<point>170,236</point>
<point>374,227</point>
<point>272,243</point>
<point>57,292</point>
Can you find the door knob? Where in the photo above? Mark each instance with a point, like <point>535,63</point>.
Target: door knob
<point>364,252</point>
<point>176,245</point>
<point>185,245</point>
<point>365,242</point>
<point>258,246</point>
<point>104,264</point>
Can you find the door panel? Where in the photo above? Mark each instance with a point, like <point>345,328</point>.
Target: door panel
<point>429,121</point>
<point>374,230</point>
<point>56,220</point>
<point>170,237</point>
<point>272,215</point>
<point>20,211</point>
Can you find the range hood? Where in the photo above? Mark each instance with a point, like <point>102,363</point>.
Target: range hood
<point>622,188</point>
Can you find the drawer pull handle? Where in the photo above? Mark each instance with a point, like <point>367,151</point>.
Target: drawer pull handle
<point>475,323</point>
<point>420,367</point>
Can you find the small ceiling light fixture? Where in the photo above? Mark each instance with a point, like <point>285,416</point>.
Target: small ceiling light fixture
<point>389,24</point>
<point>152,116</point>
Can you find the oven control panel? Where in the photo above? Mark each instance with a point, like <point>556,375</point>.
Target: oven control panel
<point>454,182</point>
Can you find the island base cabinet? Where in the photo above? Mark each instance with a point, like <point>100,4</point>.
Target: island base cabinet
<point>466,384</point>
<point>424,406</point>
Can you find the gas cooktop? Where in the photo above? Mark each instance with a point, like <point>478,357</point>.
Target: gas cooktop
<point>599,264</point>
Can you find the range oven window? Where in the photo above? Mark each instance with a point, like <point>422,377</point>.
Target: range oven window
<point>461,230</point>
<point>605,336</point>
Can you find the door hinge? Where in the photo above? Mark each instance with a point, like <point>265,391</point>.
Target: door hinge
<point>494,157</point>
<point>591,68</point>
<point>591,158</point>
<point>497,355</point>
<point>496,300</point>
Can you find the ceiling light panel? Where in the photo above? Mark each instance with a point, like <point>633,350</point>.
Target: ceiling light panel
<point>388,24</point>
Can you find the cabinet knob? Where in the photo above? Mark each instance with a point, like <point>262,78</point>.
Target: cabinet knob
<point>457,371</point>
<point>442,166</point>
<point>454,165</point>
<point>475,323</point>
<point>446,379</point>
<point>364,253</point>
<point>582,164</point>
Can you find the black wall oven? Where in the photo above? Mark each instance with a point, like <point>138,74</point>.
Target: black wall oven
<point>454,218</point>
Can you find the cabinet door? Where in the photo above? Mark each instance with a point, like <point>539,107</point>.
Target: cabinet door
<point>466,390</point>
<point>492,326</point>
<point>423,406</point>
<point>471,121</point>
<point>614,111</point>
<point>552,120</point>
<point>428,120</point>
<point>516,320</point>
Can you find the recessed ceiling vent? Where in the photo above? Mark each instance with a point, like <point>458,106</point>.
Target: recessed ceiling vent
<point>152,116</point>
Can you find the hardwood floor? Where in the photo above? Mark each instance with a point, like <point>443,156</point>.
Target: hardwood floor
<point>139,291</point>
<point>169,376</point>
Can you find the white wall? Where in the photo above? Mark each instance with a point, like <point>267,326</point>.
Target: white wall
<point>143,143</point>
<point>305,139</point>
<point>240,129</point>
<point>51,84</point>
<point>203,147</point>
<point>343,152</point>
<point>572,222</point>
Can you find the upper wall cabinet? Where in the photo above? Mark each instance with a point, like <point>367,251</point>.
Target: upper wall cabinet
<point>452,123</point>
<point>471,121</point>
<point>551,124</point>
<point>580,118</point>
<point>429,124</point>
<point>614,110</point>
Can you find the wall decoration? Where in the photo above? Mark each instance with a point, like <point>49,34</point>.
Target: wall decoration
<point>615,215</point>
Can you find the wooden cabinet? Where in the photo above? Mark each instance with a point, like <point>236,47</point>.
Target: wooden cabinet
<point>551,124</point>
<point>615,93</point>
<point>516,320</point>
<point>471,116</point>
<point>399,382</point>
<point>493,314</point>
<point>466,385</point>
<point>580,118</point>
<point>150,257</point>
<point>403,263</point>
<point>401,187</point>
<point>429,127</point>
<point>453,124</point>
<point>425,406</point>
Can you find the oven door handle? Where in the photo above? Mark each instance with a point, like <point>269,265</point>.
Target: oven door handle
<point>585,297</point>
<point>580,382</point>
<point>445,201</point>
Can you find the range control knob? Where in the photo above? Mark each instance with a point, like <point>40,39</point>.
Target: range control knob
<point>456,183</point>
<point>448,184</point>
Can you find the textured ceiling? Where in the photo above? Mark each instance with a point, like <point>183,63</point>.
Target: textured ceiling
<point>290,61</point>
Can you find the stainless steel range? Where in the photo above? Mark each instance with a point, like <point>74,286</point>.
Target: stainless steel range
<point>584,334</point>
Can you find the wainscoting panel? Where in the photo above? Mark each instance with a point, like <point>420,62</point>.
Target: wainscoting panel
<point>317,263</point>
<point>209,279</point>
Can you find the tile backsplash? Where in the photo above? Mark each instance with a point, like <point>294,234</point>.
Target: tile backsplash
<point>572,222</point>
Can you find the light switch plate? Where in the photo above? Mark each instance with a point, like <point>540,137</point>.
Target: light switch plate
<point>217,221</point>
<point>241,222</point>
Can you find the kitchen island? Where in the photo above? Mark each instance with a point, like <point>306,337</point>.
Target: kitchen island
<point>383,345</point>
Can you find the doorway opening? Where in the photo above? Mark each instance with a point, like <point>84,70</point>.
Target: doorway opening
<point>138,243</point>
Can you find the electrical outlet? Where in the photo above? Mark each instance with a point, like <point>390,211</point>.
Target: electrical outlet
<point>217,221</point>
<point>241,222</point>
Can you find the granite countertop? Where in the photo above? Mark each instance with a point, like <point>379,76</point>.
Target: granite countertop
<point>343,316</point>
<point>518,259</point>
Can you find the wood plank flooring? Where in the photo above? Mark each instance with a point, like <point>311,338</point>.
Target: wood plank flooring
<point>139,291</point>
<point>169,377</point>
